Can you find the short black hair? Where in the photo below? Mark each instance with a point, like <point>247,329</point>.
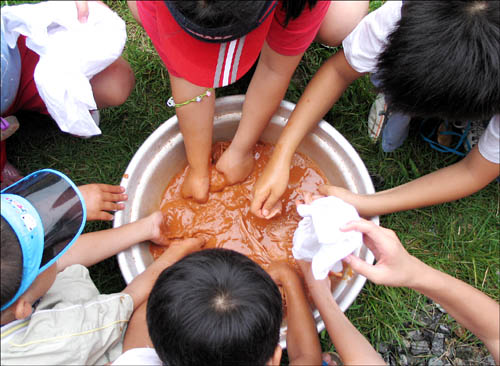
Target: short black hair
<point>11,265</point>
<point>442,60</point>
<point>214,307</point>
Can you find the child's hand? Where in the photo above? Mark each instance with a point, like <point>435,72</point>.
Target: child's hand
<point>100,198</point>
<point>178,249</point>
<point>394,267</point>
<point>316,287</point>
<point>268,190</point>
<point>157,229</point>
<point>280,272</point>
<point>82,10</point>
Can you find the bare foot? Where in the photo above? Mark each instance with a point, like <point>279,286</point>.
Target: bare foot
<point>217,180</point>
<point>196,186</point>
<point>235,166</point>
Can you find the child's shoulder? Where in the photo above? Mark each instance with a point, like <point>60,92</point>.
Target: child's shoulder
<point>367,41</point>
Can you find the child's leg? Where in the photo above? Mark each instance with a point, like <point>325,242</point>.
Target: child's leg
<point>133,9</point>
<point>113,85</point>
<point>265,92</point>
<point>341,18</point>
<point>196,125</point>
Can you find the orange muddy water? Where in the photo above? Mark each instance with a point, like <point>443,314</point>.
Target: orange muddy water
<point>226,221</point>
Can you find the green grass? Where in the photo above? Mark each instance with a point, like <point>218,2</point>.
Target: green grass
<point>460,238</point>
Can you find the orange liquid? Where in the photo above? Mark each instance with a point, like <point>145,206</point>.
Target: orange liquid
<point>225,221</point>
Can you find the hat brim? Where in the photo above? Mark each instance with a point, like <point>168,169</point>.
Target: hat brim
<point>60,207</point>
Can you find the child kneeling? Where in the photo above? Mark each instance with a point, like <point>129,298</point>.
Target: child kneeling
<point>51,311</point>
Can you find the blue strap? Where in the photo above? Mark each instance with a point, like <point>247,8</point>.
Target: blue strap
<point>441,148</point>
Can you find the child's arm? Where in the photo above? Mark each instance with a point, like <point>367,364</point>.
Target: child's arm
<point>137,333</point>
<point>100,198</point>
<point>264,95</point>
<point>141,285</point>
<point>325,88</point>
<point>302,337</point>
<point>351,345</point>
<point>456,181</point>
<point>395,267</point>
<point>91,248</point>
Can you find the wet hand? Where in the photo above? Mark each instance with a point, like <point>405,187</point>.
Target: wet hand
<point>178,249</point>
<point>280,272</point>
<point>316,287</point>
<point>268,190</point>
<point>394,266</point>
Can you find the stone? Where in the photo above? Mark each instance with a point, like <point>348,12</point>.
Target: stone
<point>382,347</point>
<point>406,344</point>
<point>403,360</point>
<point>490,360</point>
<point>444,329</point>
<point>441,309</point>
<point>415,335</point>
<point>435,361</point>
<point>420,348</point>
<point>438,344</point>
<point>459,362</point>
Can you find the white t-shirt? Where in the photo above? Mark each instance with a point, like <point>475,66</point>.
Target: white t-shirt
<point>367,41</point>
<point>139,356</point>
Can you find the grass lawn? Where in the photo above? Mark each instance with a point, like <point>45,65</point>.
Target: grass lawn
<point>460,238</point>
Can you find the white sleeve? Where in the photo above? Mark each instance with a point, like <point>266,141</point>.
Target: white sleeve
<point>139,356</point>
<point>489,143</point>
<point>367,41</point>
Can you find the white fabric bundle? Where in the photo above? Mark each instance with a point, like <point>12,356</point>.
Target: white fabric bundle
<point>71,53</point>
<point>318,238</point>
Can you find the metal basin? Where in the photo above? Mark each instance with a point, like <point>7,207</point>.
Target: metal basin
<point>162,155</point>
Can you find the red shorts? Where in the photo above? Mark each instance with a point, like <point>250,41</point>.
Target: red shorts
<point>27,97</point>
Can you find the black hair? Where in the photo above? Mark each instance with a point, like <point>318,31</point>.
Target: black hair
<point>244,13</point>
<point>214,307</point>
<point>11,265</point>
<point>293,8</point>
<point>442,60</point>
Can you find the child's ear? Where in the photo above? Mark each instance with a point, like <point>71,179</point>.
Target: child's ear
<point>275,360</point>
<point>22,308</point>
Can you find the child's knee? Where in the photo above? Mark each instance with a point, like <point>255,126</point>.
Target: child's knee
<point>112,86</point>
<point>122,83</point>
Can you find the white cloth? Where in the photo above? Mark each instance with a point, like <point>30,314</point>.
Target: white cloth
<point>489,143</point>
<point>318,237</point>
<point>139,356</point>
<point>71,53</point>
<point>367,41</point>
<point>72,325</point>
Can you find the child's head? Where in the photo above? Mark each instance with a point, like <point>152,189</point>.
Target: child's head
<point>11,264</point>
<point>442,60</point>
<point>41,217</point>
<point>215,306</point>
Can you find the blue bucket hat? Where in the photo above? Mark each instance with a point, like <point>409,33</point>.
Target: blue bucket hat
<point>47,213</point>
